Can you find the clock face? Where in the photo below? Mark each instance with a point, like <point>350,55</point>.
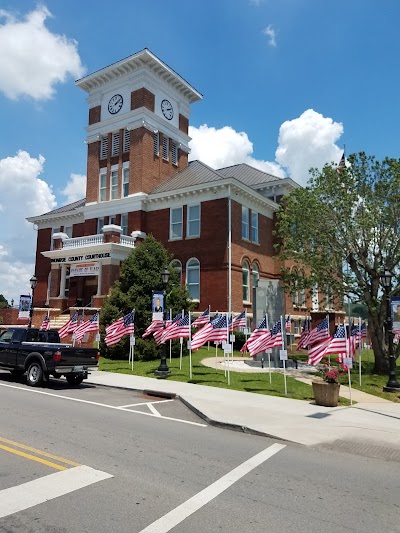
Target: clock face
<point>167,109</point>
<point>115,104</point>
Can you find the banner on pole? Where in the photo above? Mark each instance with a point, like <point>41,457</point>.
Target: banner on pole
<point>24,306</point>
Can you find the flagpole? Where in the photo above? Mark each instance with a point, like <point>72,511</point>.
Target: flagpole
<point>283,361</point>
<point>268,351</point>
<point>190,346</point>
<point>359,348</point>
<point>348,357</point>
<point>228,341</point>
<point>170,341</point>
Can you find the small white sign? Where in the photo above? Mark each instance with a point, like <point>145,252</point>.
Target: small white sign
<point>232,338</point>
<point>269,351</point>
<point>132,340</point>
<point>84,269</point>
<point>158,316</point>
<point>181,340</point>
<point>97,337</point>
<point>227,348</point>
<point>348,361</point>
<point>189,345</point>
<point>283,355</point>
<point>246,331</point>
<point>223,345</point>
<point>217,342</point>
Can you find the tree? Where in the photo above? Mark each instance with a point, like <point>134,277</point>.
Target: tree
<point>343,230</point>
<point>140,275</point>
<point>3,302</point>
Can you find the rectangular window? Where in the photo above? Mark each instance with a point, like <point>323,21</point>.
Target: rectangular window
<point>100,224</point>
<point>68,231</point>
<point>54,230</point>
<point>127,140</point>
<point>156,143</point>
<point>125,182</point>
<point>124,224</point>
<point>115,143</point>
<point>193,282</point>
<point>104,148</point>
<point>174,153</point>
<point>254,227</point>
<point>297,330</point>
<point>175,227</point>
<point>165,148</point>
<point>245,222</point>
<point>103,186</point>
<point>114,185</point>
<point>193,221</point>
<point>112,219</point>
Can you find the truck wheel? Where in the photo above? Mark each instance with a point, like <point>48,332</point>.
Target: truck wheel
<point>34,376</point>
<point>74,380</point>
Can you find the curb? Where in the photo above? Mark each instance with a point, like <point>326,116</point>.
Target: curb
<point>215,423</point>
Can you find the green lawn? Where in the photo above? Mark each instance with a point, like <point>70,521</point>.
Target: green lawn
<point>202,375</point>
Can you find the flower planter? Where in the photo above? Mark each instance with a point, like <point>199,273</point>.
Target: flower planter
<point>326,394</point>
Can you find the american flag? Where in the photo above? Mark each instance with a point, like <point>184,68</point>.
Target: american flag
<point>338,343</point>
<point>69,327</point>
<point>276,335</point>
<point>240,321</point>
<point>78,327</point>
<point>216,330</point>
<point>126,327</point>
<point>181,328</point>
<point>342,163</point>
<point>154,326</point>
<point>317,352</point>
<point>159,334</point>
<point>46,323</point>
<point>204,318</point>
<point>288,324</point>
<point>87,326</point>
<point>258,334</point>
<point>305,332</point>
<point>319,333</point>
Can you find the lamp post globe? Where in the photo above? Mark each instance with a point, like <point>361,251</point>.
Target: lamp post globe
<point>33,282</point>
<point>392,385</point>
<point>163,370</point>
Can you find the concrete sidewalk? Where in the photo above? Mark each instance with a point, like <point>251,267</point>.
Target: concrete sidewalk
<point>367,428</point>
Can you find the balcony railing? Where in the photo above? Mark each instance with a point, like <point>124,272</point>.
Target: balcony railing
<point>90,240</point>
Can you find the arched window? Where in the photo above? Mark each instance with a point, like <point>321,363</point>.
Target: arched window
<point>177,265</point>
<point>246,281</point>
<point>193,278</point>
<point>255,274</point>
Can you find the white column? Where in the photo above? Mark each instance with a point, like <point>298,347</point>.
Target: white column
<point>62,281</point>
<point>98,293</point>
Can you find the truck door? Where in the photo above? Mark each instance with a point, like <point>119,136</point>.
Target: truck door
<point>6,348</point>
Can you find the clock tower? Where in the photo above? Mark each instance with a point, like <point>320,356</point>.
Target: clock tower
<point>138,127</point>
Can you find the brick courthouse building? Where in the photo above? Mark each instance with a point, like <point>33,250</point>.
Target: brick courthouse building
<point>139,182</point>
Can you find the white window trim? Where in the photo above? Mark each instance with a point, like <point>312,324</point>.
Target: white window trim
<point>248,223</point>
<point>174,153</point>
<point>254,227</point>
<point>114,168</point>
<point>126,140</point>
<point>115,142</point>
<point>124,167</point>
<point>104,142</point>
<point>171,238</point>
<point>187,277</point>
<point>104,173</point>
<point>188,236</point>
<point>123,225</point>
<point>174,265</point>
<point>156,143</point>
<point>166,141</point>
<point>246,300</point>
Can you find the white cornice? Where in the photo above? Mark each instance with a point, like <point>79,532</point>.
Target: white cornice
<point>48,220</point>
<point>116,251</point>
<point>130,65</point>
<point>134,202</point>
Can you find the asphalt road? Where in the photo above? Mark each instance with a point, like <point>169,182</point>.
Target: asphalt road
<point>94,459</point>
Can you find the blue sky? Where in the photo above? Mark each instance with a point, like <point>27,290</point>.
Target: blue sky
<point>285,83</point>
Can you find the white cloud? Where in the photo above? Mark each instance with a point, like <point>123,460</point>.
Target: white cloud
<point>75,188</point>
<point>33,60</point>
<point>23,194</point>
<point>271,34</point>
<point>305,142</point>
<point>308,141</point>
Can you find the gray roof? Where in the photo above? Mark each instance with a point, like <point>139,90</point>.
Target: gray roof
<point>246,174</point>
<point>196,173</point>
<point>66,208</point>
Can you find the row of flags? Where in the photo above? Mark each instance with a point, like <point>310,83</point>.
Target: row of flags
<point>78,329</point>
<point>263,338</point>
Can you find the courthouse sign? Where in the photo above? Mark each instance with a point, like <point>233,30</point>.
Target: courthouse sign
<point>85,269</point>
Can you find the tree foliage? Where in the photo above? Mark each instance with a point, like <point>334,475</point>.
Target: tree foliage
<point>343,230</point>
<point>140,275</point>
<point>3,302</point>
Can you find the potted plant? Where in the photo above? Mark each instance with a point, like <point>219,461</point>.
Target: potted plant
<point>326,390</point>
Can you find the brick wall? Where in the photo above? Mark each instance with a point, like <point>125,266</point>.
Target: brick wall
<point>92,185</point>
<point>94,115</point>
<point>142,98</point>
<point>43,266</point>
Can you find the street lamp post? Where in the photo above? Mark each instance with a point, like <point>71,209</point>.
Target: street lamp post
<point>33,282</point>
<point>163,370</point>
<point>392,384</point>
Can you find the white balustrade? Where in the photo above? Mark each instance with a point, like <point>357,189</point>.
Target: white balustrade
<point>90,240</point>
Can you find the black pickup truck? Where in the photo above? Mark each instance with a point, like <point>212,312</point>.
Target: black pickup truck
<point>40,354</point>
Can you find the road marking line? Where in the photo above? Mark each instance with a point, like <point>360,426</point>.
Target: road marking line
<point>177,515</point>
<point>41,490</point>
<point>32,458</point>
<point>39,452</point>
<point>143,403</point>
<point>153,409</point>
<point>104,405</point>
